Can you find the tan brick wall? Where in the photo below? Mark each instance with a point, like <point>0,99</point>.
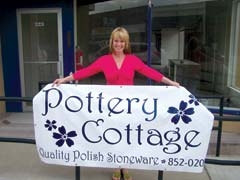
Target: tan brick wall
<point>231,127</point>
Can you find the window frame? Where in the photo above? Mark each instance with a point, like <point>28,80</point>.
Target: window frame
<point>234,46</point>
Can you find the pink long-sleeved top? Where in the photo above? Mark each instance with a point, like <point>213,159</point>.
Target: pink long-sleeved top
<point>118,76</point>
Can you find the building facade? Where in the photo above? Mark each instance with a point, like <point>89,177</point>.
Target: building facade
<point>195,42</point>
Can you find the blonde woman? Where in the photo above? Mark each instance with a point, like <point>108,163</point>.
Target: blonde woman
<point>119,68</point>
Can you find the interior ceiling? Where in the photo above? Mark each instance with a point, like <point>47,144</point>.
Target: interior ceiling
<point>86,2</point>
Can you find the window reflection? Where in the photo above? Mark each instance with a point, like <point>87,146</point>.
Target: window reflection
<point>186,32</point>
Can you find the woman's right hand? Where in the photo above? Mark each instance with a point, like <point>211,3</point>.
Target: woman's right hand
<point>59,81</point>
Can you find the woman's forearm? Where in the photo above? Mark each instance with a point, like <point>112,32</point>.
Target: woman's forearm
<point>168,81</point>
<point>63,80</point>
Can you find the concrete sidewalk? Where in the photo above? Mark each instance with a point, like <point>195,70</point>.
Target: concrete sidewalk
<point>21,162</point>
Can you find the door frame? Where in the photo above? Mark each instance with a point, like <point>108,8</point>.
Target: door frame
<point>2,104</point>
<point>58,11</point>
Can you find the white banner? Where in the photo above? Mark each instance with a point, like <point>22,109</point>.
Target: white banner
<point>137,127</point>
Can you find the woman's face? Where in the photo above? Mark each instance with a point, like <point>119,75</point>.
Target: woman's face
<point>118,45</point>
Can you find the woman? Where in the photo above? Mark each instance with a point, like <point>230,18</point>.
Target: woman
<point>119,67</point>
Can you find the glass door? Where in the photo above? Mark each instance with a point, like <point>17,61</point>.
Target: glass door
<point>40,44</point>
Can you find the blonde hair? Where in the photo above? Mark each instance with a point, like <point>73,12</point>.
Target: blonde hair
<point>121,33</point>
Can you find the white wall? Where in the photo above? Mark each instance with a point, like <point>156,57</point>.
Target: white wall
<point>172,44</point>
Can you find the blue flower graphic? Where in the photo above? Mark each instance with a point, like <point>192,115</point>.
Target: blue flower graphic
<point>50,125</point>
<point>193,100</point>
<point>182,113</point>
<point>64,137</point>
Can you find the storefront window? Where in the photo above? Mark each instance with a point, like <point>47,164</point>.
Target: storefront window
<point>189,43</point>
